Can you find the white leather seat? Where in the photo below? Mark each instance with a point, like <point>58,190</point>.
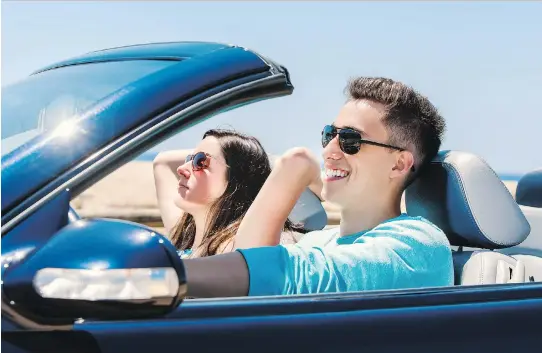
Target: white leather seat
<point>529,198</point>
<point>490,267</point>
<point>463,196</point>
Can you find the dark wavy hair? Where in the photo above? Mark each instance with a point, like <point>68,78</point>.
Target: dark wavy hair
<point>248,168</point>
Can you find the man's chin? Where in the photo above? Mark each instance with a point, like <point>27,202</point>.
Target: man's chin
<point>332,196</point>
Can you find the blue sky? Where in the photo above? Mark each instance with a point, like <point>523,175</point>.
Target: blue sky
<point>480,63</point>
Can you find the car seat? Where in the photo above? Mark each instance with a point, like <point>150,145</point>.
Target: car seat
<point>462,195</point>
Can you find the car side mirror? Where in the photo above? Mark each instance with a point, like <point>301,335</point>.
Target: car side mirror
<point>99,268</point>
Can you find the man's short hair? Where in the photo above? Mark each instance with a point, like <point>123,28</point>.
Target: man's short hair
<point>411,120</point>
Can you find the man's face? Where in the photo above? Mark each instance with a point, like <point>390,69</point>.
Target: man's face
<point>368,175</point>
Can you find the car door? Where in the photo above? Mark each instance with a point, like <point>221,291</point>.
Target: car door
<point>467,319</point>
<point>431,320</point>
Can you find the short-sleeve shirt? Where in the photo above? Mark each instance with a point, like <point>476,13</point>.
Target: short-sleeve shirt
<point>402,252</point>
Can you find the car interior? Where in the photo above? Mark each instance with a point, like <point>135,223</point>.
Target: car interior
<point>495,239</point>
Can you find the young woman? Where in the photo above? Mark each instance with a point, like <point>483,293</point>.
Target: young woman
<point>204,195</point>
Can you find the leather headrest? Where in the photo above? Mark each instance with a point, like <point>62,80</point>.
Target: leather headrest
<point>529,189</point>
<point>463,196</point>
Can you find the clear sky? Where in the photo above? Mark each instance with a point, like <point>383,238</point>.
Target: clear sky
<point>480,63</point>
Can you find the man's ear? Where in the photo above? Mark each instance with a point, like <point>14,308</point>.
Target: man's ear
<point>403,164</point>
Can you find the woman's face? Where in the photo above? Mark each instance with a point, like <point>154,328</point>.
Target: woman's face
<point>199,189</point>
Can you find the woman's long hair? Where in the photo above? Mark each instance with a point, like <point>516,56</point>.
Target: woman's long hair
<point>248,168</point>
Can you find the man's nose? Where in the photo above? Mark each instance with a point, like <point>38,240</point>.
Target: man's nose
<point>333,150</point>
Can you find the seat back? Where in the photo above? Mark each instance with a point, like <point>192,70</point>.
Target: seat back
<point>533,244</point>
<point>529,252</point>
<point>489,267</point>
<point>529,189</point>
<point>464,197</point>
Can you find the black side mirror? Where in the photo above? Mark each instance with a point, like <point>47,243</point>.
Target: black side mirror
<point>101,269</point>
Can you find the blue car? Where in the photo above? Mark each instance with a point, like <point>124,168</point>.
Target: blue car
<point>104,285</point>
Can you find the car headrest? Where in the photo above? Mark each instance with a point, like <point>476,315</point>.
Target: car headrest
<point>529,189</point>
<point>463,196</point>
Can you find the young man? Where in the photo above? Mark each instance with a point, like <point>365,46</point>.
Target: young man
<point>384,134</point>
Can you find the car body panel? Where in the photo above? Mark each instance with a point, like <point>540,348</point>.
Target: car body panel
<point>448,328</point>
<point>338,323</point>
<point>176,51</point>
<point>36,230</point>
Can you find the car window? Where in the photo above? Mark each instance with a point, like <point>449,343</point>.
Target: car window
<point>44,100</point>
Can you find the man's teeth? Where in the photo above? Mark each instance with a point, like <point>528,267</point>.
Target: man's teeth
<point>336,173</point>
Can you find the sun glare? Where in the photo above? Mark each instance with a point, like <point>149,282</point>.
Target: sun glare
<point>66,129</point>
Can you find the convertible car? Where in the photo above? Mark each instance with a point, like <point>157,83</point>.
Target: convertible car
<point>103,285</point>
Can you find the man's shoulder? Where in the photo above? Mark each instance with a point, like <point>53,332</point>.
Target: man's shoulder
<point>414,223</point>
<point>406,228</point>
<point>414,230</point>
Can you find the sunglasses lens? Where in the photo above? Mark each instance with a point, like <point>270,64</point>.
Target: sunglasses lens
<point>328,134</point>
<point>349,141</point>
<point>198,161</point>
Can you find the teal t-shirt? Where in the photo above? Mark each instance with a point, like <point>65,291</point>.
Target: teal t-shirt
<point>403,252</point>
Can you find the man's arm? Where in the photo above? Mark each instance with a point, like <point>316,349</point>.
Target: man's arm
<point>399,254</point>
<point>217,276</point>
<point>410,254</point>
<point>278,270</point>
<point>263,223</point>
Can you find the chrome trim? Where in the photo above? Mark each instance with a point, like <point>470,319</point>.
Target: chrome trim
<point>156,128</point>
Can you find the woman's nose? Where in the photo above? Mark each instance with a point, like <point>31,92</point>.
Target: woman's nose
<point>184,170</point>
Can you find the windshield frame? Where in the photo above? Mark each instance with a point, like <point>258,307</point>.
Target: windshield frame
<point>35,105</point>
<point>235,73</point>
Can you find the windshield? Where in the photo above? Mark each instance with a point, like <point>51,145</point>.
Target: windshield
<point>42,101</point>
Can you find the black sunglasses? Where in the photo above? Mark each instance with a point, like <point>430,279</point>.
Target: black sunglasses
<point>350,140</point>
<point>200,160</point>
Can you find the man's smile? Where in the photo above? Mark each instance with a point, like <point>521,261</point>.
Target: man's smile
<point>334,174</point>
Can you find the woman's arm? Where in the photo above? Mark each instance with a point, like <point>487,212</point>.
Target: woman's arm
<point>264,221</point>
<point>165,166</point>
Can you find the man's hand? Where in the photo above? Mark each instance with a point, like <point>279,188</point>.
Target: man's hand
<point>217,276</point>
<point>310,166</point>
